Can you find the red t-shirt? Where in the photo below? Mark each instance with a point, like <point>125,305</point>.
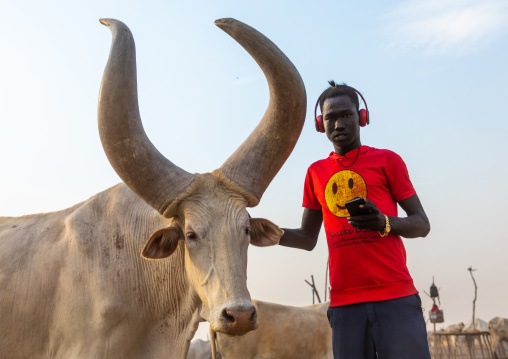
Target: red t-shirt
<point>364,267</point>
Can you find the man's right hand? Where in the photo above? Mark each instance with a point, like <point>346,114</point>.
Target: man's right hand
<point>306,236</point>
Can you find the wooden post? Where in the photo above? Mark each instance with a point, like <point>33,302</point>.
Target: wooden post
<point>434,349</point>
<point>314,289</point>
<point>314,286</point>
<point>471,270</point>
<point>212,343</point>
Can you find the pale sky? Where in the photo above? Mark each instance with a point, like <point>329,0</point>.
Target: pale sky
<point>433,73</point>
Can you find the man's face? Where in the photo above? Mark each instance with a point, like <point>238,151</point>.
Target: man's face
<point>342,127</point>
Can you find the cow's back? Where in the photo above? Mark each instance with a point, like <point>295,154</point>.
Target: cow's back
<point>284,332</point>
<point>74,285</point>
<point>31,255</point>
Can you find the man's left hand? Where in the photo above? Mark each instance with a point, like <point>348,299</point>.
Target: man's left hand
<point>375,220</point>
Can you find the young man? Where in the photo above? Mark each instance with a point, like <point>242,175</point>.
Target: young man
<point>374,306</point>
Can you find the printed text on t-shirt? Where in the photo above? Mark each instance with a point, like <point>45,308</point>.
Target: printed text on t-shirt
<point>349,235</point>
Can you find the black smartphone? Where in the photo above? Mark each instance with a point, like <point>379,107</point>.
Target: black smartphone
<point>353,207</point>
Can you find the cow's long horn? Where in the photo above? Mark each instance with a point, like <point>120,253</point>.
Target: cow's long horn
<point>134,158</point>
<point>256,162</point>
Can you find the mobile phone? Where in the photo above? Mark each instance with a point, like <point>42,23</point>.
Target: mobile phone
<point>353,207</point>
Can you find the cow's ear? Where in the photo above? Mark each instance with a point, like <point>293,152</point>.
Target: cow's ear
<point>162,243</point>
<point>264,233</point>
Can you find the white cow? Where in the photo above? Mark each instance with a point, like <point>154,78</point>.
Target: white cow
<point>455,328</point>
<point>73,283</point>
<point>284,332</point>
<point>498,328</point>
<point>480,325</point>
<point>201,349</point>
<point>449,342</point>
<point>464,341</point>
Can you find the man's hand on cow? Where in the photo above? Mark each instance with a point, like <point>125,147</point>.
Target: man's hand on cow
<point>375,220</point>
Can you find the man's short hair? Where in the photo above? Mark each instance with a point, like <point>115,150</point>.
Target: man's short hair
<point>339,90</point>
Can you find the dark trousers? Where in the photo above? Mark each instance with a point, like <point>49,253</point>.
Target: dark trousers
<point>389,329</point>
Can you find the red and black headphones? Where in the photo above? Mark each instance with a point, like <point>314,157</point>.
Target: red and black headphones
<point>364,114</point>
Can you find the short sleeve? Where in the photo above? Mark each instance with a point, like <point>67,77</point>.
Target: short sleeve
<point>398,179</point>
<point>309,197</point>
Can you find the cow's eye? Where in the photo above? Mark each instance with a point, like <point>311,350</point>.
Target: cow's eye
<point>191,235</point>
<point>247,230</point>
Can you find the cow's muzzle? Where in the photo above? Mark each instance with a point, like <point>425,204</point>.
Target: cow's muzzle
<point>239,321</point>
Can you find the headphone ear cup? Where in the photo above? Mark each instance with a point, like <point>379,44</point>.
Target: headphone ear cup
<point>364,118</point>
<point>318,121</point>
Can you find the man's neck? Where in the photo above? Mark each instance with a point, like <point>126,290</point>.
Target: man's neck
<point>343,150</point>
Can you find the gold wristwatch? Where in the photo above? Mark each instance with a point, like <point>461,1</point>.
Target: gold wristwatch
<point>387,229</point>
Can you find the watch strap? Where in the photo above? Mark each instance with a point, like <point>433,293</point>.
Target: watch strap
<point>387,228</point>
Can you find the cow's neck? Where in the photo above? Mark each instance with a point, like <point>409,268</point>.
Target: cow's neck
<point>161,293</point>
<point>175,308</point>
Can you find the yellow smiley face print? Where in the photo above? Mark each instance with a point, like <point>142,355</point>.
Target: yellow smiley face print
<point>342,187</point>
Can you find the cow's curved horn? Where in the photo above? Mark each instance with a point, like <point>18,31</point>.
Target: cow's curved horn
<point>256,162</point>
<point>134,158</point>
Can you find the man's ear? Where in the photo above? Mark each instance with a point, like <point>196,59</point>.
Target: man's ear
<point>264,233</point>
<point>162,243</point>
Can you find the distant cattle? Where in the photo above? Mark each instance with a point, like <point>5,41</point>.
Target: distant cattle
<point>74,283</point>
<point>284,332</point>
<point>455,328</point>
<point>468,339</point>
<point>465,341</point>
<point>498,328</point>
<point>448,342</point>
<point>479,325</point>
<point>201,349</point>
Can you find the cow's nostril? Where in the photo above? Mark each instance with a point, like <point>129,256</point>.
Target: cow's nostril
<point>254,315</point>
<point>229,318</point>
